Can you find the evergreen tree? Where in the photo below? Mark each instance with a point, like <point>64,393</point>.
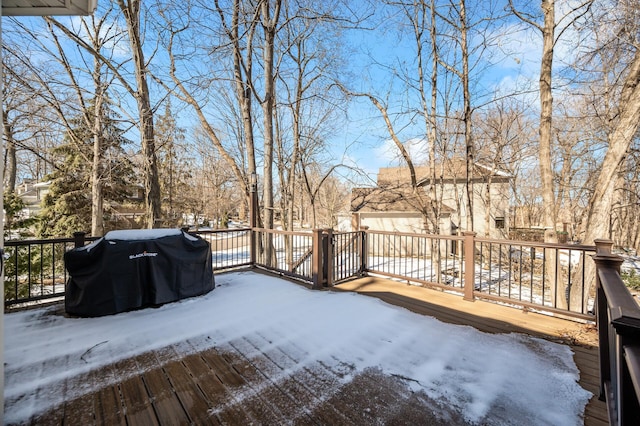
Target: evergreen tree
<point>66,208</point>
<point>173,169</point>
<point>13,205</point>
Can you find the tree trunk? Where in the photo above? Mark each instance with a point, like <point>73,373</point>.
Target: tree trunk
<point>269,25</point>
<point>433,118</point>
<point>546,111</point>
<point>470,151</point>
<point>153,213</point>
<point>11,169</point>
<point>603,195</point>
<point>558,298</point>
<point>97,208</point>
<point>242,71</point>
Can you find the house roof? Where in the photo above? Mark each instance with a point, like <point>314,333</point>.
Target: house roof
<point>447,171</point>
<point>388,199</point>
<point>48,7</point>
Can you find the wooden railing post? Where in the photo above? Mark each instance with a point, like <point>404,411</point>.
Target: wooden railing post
<point>618,320</point>
<point>603,247</point>
<point>469,265</point>
<point>253,217</point>
<point>364,250</point>
<point>317,266</point>
<point>601,259</point>
<point>78,239</point>
<point>328,257</point>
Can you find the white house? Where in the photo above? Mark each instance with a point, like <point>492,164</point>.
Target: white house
<point>393,206</point>
<point>32,193</point>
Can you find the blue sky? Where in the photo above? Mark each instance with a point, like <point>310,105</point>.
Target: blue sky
<point>510,64</point>
<point>361,139</point>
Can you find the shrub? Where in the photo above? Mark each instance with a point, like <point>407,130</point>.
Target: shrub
<point>631,279</point>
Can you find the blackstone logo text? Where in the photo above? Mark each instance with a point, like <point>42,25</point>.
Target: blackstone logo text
<point>143,254</point>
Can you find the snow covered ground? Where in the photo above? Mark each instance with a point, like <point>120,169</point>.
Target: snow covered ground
<point>467,370</point>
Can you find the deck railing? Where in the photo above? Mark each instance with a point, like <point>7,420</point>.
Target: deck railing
<point>618,319</point>
<point>285,252</point>
<point>531,275</point>
<point>433,260</point>
<point>534,275</point>
<point>230,248</point>
<point>552,276</point>
<point>34,269</point>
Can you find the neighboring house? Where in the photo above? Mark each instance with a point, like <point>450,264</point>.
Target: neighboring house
<point>391,205</point>
<point>123,215</point>
<point>32,193</point>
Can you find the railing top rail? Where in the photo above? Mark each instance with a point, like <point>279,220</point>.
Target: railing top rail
<point>218,231</point>
<point>619,299</point>
<point>576,247</point>
<point>410,234</point>
<point>13,243</point>
<point>281,232</point>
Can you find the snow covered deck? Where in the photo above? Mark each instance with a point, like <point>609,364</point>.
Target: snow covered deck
<point>262,350</point>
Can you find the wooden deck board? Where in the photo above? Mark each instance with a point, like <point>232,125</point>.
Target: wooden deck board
<point>107,407</point>
<point>244,383</point>
<point>189,394</point>
<point>164,400</point>
<point>215,392</point>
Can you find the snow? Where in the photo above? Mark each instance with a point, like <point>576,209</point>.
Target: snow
<point>468,370</point>
<point>631,263</point>
<point>136,235</point>
<point>141,234</point>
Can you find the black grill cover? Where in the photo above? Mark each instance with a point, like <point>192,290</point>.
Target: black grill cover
<point>127,270</point>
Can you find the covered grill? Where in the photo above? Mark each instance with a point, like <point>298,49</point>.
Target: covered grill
<point>133,269</point>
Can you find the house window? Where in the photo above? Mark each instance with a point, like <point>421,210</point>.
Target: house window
<point>499,222</point>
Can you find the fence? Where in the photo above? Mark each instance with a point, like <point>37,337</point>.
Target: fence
<point>618,319</point>
<point>433,260</point>
<point>553,276</point>
<point>285,252</point>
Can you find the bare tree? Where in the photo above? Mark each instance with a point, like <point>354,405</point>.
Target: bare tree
<point>243,51</point>
<point>550,36</point>
<point>422,17</point>
<point>602,200</point>
<point>131,12</point>
<point>234,102</point>
<point>503,142</point>
<point>139,92</point>
<point>269,16</point>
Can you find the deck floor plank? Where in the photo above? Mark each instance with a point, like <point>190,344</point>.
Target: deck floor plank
<point>282,389</point>
<point>136,400</point>
<point>246,381</point>
<point>166,403</point>
<point>79,411</point>
<point>189,394</point>
<point>227,375</point>
<point>226,409</point>
<point>107,407</point>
